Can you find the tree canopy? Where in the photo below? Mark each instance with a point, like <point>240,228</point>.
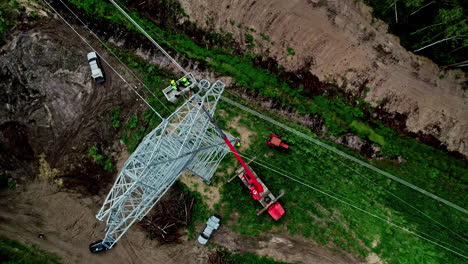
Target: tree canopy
<point>434,28</point>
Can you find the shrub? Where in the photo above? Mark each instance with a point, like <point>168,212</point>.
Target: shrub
<point>291,52</point>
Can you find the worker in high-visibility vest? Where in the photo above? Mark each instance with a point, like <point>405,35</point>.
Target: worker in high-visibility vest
<point>173,85</point>
<point>238,143</point>
<point>185,82</point>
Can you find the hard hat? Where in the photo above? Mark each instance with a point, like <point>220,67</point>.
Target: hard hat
<point>184,79</point>
<point>172,82</point>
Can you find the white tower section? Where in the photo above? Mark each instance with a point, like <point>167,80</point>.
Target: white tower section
<point>186,141</point>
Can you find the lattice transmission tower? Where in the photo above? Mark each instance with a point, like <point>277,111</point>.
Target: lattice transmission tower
<point>186,141</point>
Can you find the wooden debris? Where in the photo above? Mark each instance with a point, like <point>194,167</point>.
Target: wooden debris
<point>169,215</point>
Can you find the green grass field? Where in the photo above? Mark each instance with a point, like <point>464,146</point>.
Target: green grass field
<point>14,252</point>
<point>311,213</point>
<point>315,215</point>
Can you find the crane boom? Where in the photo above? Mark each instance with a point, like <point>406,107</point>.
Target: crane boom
<point>251,179</point>
<point>257,188</point>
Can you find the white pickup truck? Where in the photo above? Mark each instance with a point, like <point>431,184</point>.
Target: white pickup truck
<point>211,225</point>
<point>96,69</point>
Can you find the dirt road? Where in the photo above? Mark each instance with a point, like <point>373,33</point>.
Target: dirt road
<point>67,220</point>
<point>68,223</point>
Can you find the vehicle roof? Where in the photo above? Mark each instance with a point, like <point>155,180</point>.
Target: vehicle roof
<point>275,141</point>
<point>276,211</point>
<point>92,55</point>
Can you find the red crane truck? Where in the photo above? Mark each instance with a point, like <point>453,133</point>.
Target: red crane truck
<point>257,188</point>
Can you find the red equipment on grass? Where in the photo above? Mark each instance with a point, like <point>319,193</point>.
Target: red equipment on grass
<point>276,142</point>
<point>257,188</point>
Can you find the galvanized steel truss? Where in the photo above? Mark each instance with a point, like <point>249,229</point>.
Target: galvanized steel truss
<point>186,141</point>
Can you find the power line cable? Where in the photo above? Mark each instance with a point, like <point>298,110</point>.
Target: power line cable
<point>326,146</point>
<point>257,161</point>
<point>355,207</point>
<point>336,159</point>
<point>172,47</point>
<point>122,9</point>
<point>310,139</point>
<point>149,37</point>
<point>343,154</point>
<point>112,52</point>
<point>142,21</point>
<point>108,64</point>
<point>400,199</point>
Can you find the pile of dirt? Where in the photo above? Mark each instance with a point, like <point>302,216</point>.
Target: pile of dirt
<point>340,42</point>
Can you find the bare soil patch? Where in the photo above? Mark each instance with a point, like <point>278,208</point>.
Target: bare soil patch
<point>210,192</point>
<point>374,259</point>
<point>245,133</point>
<point>68,223</point>
<point>281,247</point>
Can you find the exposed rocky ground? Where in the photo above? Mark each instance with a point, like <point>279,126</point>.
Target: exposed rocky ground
<point>340,42</point>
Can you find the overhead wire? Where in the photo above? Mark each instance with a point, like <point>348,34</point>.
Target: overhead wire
<point>148,36</point>
<point>405,229</point>
<point>277,170</point>
<point>126,12</point>
<point>318,142</point>
<point>341,153</point>
<point>165,41</point>
<point>108,64</point>
<point>271,121</point>
<point>400,199</point>
<point>142,21</point>
<point>346,155</point>
<point>115,55</point>
<point>336,159</point>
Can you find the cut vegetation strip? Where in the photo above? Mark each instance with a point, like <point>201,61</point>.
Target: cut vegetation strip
<point>341,153</point>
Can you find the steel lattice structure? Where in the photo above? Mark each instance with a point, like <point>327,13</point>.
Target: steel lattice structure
<point>186,141</point>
